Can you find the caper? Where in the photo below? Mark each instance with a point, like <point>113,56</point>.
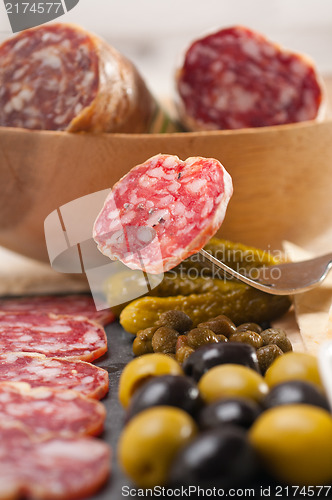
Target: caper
<point>164,340</point>
<point>220,325</point>
<point>252,327</point>
<point>182,350</point>
<point>201,336</point>
<point>247,337</point>
<point>276,336</point>
<point>178,320</point>
<point>143,341</point>
<point>266,355</point>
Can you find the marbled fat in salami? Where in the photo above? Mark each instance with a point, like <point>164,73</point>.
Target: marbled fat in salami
<point>173,206</point>
<point>37,370</point>
<point>236,78</point>
<point>43,411</point>
<point>54,468</point>
<point>63,336</point>
<point>61,77</point>
<point>73,305</point>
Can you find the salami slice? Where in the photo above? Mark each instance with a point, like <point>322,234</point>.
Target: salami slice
<point>236,78</point>
<point>54,468</point>
<point>182,202</point>
<point>37,370</point>
<point>45,411</point>
<point>73,305</point>
<point>63,336</point>
<point>61,77</point>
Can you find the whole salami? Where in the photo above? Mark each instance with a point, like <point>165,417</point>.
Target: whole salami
<point>44,411</point>
<point>73,305</point>
<point>54,468</point>
<point>236,78</point>
<point>37,370</point>
<point>163,211</point>
<point>64,336</point>
<point>61,77</point>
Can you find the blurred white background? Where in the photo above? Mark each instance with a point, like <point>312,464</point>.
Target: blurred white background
<point>153,33</point>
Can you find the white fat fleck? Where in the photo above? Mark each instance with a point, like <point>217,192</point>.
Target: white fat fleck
<point>20,44</point>
<point>46,373</point>
<point>243,101</point>
<point>165,201</point>
<point>287,94</point>
<point>196,185</point>
<point>169,162</point>
<point>173,187</point>
<point>113,214</point>
<point>221,103</point>
<point>178,208</point>
<point>146,181</point>
<point>207,208</point>
<point>155,217</point>
<point>299,68</point>
<point>59,120</point>
<point>87,380</point>
<point>91,337</point>
<point>19,73</point>
<point>8,108</point>
<point>25,338</point>
<point>88,79</point>
<point>53,329</point>
<point>128,217</point>
<point>252,49</point>
<point>228,77</point>
<point>41,394</point>
<point>161,174</point>
<point>11,357</point>
<point>48,57</point>
<point>185,89</point>
<point>217,66</point>
<point>78,108</point>
<point>82,450</point>
<point>269,50</point>
<point>67,395</point>
<point>144,234</point>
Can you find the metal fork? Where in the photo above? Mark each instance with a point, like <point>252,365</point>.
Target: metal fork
<point>281,279</point>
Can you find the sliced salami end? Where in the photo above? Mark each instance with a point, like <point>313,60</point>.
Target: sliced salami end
<point>73,305</point>
<point>236,78</point>
<point>54,468</point>
<point>37,370</point>
<point>63,336</point>
<point>61,77</point>
<point>44,411</point>
<point>184,202</point>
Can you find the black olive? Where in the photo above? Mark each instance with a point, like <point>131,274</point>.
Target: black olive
<point>295,392</point>
<point>236,411</point>
<point>200,361</point>
<point>219,458</point>
<point>166,390</point>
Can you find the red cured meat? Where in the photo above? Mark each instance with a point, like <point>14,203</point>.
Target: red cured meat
<point>55,468</point>
<point>73,305</point>
<point>236,78</point>
<point>43,411</point>
<point>61,77</point>
<point>179,204</point>
<point>63,336</point>
<point>37,370</point>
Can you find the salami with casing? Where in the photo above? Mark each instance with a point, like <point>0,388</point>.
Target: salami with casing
<point>61,77</point>
<point>236,78</point>
<point>43,411</point>
<point>163,211</point>
<point>64,336</point>
<point>37,370</point>
<point>54,468</point>
<point>73,305</point>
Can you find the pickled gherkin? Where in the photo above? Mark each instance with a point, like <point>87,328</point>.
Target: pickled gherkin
<point>236,300</point>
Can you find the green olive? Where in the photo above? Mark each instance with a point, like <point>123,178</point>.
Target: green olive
<point>294,444</point>
<point>150,442</point>
<point>141,369</point>
<point>232,380</point>
<point>294,366</point>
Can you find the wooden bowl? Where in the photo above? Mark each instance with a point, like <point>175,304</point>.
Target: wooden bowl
<point>282,178</point>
